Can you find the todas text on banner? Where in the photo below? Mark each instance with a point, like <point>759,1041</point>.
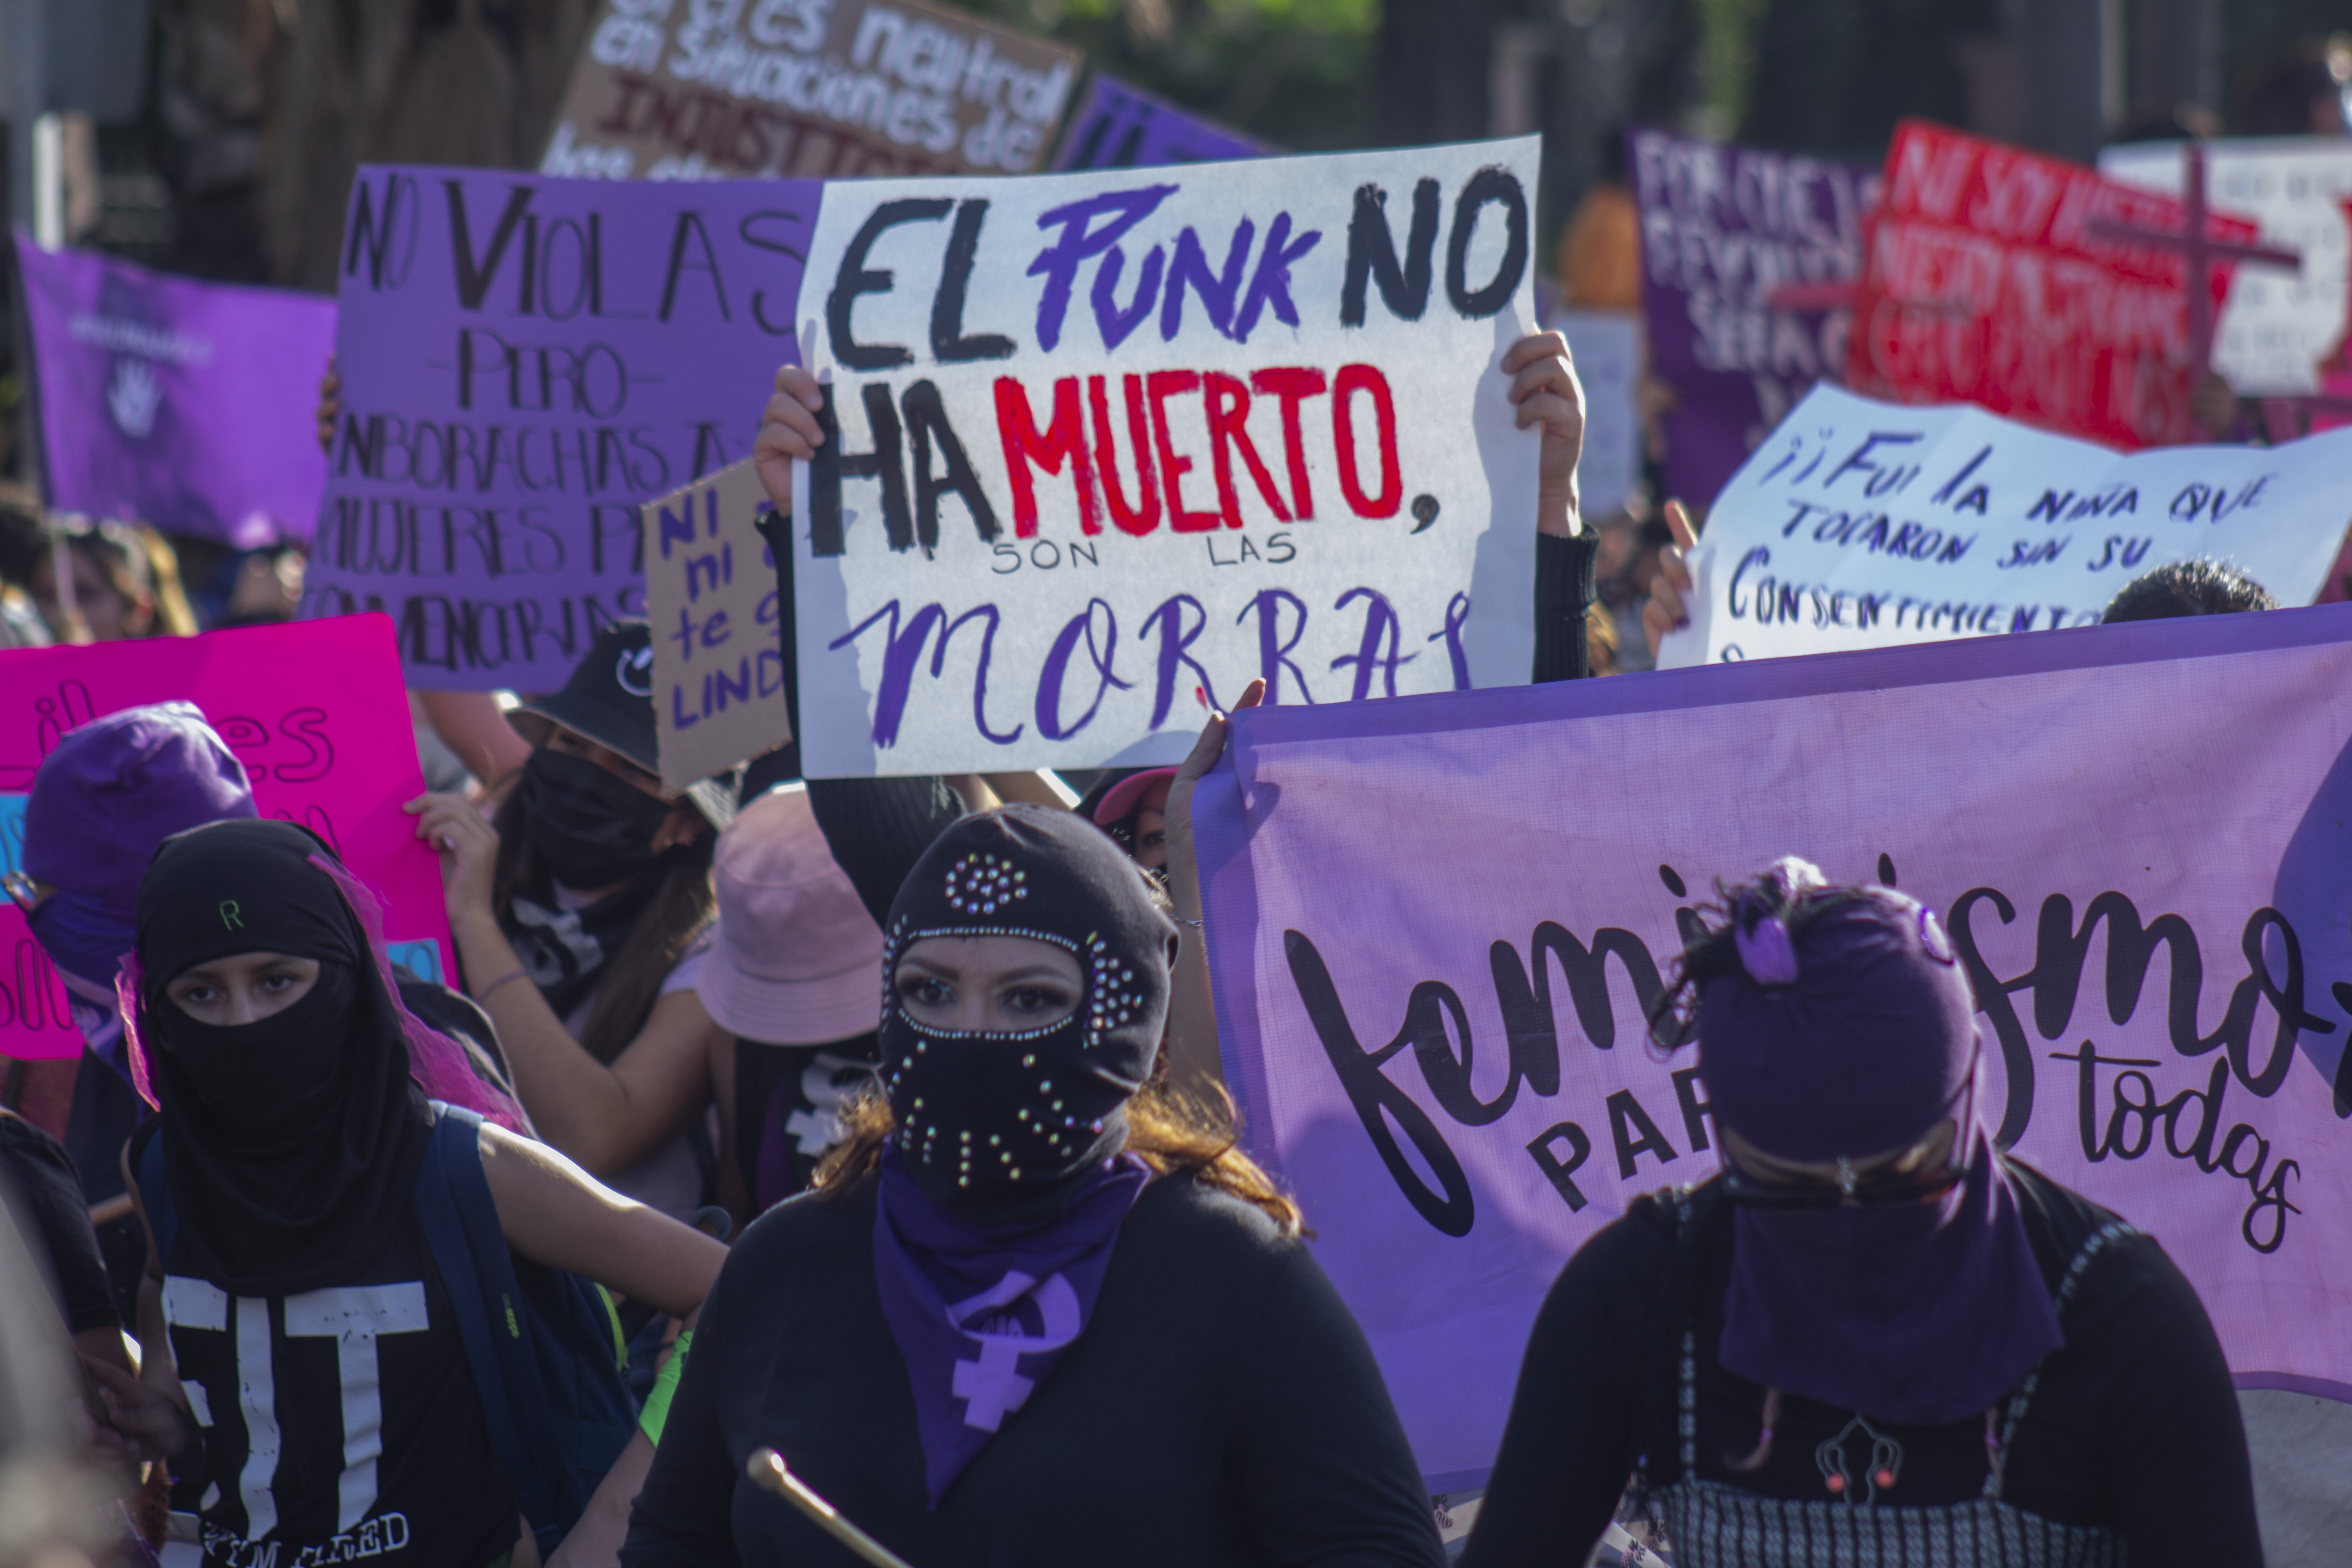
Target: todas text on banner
<point>1984,283</point>
<point>318,716</point>
<point>817,88</point>
<point>1862,524</point>
<point>180,404</point>
<point>1433,981</point>
<point>1102,447</point>
<point>1723,230</point>
<point>1121,127</point>
<point>718,663</point>
<point>2278,324</point>
<point>524,361</point>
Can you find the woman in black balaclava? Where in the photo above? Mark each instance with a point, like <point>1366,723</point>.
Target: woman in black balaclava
<point>1036,1312</point>
<point>294,1279</point>
<point>579,911</point>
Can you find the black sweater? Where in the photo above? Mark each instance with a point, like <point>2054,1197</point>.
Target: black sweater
<point>1221,1408</point>
<point>2134,1424</point>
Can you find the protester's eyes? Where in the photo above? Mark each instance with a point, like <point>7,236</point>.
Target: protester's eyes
<point>279,981</point>
<point>1036,998</point>
<point>926,990</point>
<point>1153,841</point>
<point>197,992</point>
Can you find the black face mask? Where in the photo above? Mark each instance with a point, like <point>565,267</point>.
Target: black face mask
<point>988,1121</point>
<point>270,1075</point>
<point>591,830</point>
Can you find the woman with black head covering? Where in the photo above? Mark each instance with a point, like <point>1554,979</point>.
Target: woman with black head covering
<point>303,1326</point>
<point>1873,1340</point>
<point>1035,1312</point>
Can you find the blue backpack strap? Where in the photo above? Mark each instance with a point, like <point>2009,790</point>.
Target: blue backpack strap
<point>155,1197</point>
<point>461,1228</point>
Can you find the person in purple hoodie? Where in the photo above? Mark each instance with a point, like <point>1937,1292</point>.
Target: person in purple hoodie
<point>1874,1339</point>
<point>1032,1312</point>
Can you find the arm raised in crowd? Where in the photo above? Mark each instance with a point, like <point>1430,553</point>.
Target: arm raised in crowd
<point>555,1213</point>
<point>608,1116</point>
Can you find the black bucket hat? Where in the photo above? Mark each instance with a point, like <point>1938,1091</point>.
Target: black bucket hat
<point>610,699</point>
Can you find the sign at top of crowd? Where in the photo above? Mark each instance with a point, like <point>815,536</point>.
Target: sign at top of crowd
<point>1724,230</point>
<point>1102,448</point>
<point>317,715</point>
<point>2278,324</point>
<point>2150,918</point>
<point>1860,524</point>
<point>821,89</point>
<point>1985,284</point>
<point>1121,127</point>
<point>181,403</point>
<point>525,361</point>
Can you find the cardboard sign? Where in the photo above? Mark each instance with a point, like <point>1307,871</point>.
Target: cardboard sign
<point>1724,229</point>
<point>1985,284</point>
<point>1101,447</point>
<point>717,89</point>
<point>1862,524</point>
<point>2278,324</point>
<point>525,362</point>
<point>180,404</point>
<point>318,716</point>
<point>2055,798</point>
<point>1607,351</point>
<point>718,664</point>
<point>1121,127</point>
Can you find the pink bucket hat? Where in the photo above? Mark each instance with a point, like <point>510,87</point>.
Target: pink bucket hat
<point>798,960</point>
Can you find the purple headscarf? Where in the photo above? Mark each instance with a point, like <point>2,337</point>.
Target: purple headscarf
<point>1846,1031</point>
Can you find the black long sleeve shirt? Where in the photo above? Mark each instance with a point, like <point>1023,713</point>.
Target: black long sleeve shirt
<point>1220,1407</point>
<point>2134,1424</point>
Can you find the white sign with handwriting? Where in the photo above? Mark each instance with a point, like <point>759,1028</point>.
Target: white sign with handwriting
<point>1863,524</point>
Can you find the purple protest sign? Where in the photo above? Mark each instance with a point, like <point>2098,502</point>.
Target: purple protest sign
<point>525,361</point>
<point>184,405</point>
<point>1119,127</point>
<point>1724,229</point>
<point>1435,877</point>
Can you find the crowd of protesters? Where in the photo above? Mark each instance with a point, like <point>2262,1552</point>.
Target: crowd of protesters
<point>752,1108</point>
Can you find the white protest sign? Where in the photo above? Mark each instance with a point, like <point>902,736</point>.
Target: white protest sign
<point>2277,325</point>
<point>1103,446</point>
<point>1607,348</point>
<point>711,590</point>
<point>1864,524</point>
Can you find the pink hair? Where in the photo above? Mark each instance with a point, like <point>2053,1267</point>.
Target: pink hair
<point>436,1062</point>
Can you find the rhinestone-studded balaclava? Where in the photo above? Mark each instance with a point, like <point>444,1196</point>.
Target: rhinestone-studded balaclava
<point>988,1120</point>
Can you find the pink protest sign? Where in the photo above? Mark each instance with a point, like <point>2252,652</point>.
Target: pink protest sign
<point>316,712</point>
<point>1435,924</point>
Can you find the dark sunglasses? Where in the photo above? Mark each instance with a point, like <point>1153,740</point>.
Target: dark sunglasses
<point>1884,1193</point>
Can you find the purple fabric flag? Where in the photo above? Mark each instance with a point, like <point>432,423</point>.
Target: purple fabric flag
<point>1429,873</point>
<point>1723,230</point>
<point>1119,127</point>
<point>184,405</point>
<point>525,361</point>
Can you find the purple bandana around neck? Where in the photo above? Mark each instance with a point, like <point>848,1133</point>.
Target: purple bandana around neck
<point>982,1314</point>
<point>1853,1037</point>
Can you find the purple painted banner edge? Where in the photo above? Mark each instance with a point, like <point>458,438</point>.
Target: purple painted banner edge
<point>2290,1383</point>
<point>1809,675</point>
<point>1228,882</point>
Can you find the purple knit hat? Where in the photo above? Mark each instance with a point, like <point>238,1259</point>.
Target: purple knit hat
<point>118,786</point>
<point>1847,1032</point>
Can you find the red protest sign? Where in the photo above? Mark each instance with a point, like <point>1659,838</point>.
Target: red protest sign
<point>1995,276</point>
<point>316,712</point>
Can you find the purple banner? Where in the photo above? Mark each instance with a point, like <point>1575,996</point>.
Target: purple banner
<point>525,361</point>
<point>180,404</point>
<point>1119,127</point>
<point>2078,804</point>
<point>1723,230</point>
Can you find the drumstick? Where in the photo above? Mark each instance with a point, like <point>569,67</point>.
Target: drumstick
<point>767,1467</point>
